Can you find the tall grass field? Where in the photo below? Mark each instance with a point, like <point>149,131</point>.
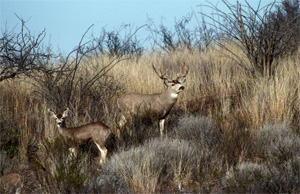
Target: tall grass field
<point>227,133</point>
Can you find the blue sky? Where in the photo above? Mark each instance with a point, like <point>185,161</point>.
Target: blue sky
<point>65,21</point>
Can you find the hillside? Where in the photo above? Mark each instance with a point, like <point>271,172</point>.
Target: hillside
<point>227,132</point>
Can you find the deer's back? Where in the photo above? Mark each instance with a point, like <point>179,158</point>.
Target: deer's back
<point>95,131</point>
<point>144,105</point>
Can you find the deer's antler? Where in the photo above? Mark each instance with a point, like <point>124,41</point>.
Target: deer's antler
<point>161,75</point>
<point>184,70</point>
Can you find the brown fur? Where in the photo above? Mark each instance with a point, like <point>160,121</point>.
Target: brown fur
<point>97,132</point>
<point>153,106</point>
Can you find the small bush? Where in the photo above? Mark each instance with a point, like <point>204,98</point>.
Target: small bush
<point>209,142</point>
<point>200,130</point>
<point>68,176</point>
<point>278,148</point>
<point>265,178</point>
<point>277,143</point>
<point>10,137</point>
<point>62,172</point>
<point>248,177</point>
<point>11,142</point>
<point>155,165</point>
<point>107,184</point>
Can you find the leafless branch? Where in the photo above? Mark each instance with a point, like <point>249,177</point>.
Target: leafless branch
<point>22,53</point>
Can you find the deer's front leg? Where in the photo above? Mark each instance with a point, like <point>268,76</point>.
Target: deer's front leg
<point>124,120</point>
<point>161,127</point>
<point>73,152</point>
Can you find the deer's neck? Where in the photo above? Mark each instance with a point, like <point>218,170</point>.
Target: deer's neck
<point>169,97</point>
<point>64,131</point>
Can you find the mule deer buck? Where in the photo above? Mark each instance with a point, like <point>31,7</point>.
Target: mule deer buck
<point>152,106</point>
<point>97,132</point>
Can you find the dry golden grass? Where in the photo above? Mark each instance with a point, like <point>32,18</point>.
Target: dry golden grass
<point>215,86</point>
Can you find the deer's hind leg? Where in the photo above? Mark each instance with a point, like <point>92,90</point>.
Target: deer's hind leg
<point>103,152</point>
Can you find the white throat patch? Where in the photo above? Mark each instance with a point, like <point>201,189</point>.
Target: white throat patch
<point>173,95</point>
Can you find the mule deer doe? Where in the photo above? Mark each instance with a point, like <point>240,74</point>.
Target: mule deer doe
<point>97,132</point>
<point>153,106</point>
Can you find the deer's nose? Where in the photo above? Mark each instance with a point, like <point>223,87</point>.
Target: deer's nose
<point>181,88</point>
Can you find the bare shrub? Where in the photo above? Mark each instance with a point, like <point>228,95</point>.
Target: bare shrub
<point>200,130</point>
<point>277,143</point>
<point>248,177</point>
<point>259,32</point>
<point>198,39</point>
<point>106,183</point>
<point>209,142</point>
<point>72,81</point>
<point>22,53</point>
<point>154,165</point>
<point>112,43</point>
<point>57,171</point>
<point>215,146</point>
<point>279,172</point>
<point>288,13</point>
<point>265,178</point>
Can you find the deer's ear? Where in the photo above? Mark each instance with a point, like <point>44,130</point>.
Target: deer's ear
<point>65,113</point>
<point>166,82</point>
<point>52,114</point>
<point>182,80</point>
